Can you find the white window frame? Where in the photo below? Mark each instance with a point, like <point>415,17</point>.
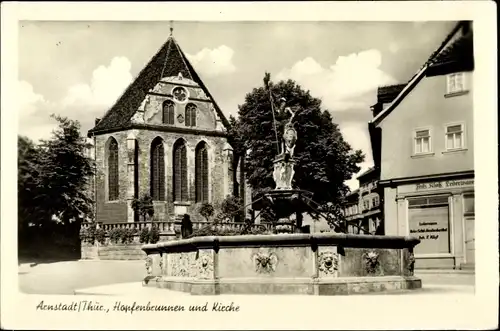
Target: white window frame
<point>460,148</point>
<point>430,151</point>
<point>451,78</point>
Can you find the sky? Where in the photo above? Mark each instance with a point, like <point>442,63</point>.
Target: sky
<point>79,69</point>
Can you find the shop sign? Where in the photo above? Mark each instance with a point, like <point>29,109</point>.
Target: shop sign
<point>448,184</point>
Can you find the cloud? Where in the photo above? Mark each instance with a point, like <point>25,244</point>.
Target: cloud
<point>31,111</point>
<point>344,85</point>
<point>106,85</point>
<point>82,102</point>
<point>356,133</point>
<point>29,100</point>
<point>213,62</point>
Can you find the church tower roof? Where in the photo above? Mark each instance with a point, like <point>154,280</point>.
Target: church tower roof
<point>169,61</point>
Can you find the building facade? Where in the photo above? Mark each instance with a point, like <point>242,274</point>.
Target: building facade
<point>165,137</point>
<point>424,147</point>
<point>363,211</point>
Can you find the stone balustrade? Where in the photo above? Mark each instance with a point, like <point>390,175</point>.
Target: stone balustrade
<point>169,226</point>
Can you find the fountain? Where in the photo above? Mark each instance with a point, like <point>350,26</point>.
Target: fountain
<point>285,262</point>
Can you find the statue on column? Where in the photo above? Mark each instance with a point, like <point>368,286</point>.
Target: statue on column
<point>284,163</point>
<point>289,135</point>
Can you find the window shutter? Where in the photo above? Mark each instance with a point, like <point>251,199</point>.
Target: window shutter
<point>423,134</point>
<point>454,128</point>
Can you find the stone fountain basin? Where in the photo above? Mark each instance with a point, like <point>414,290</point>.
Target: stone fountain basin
<point>314,264</point>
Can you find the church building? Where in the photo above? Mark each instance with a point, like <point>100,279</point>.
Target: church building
<point>165,136</point>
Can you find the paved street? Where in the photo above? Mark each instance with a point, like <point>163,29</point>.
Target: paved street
<point>66,277</point>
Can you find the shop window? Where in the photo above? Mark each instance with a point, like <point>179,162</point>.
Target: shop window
<point>422,141</point>
<point>455,137</point>
<point>428,220</point>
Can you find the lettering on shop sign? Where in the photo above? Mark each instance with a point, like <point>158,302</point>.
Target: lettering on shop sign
<point>431,226</point>
<point>444,184</point>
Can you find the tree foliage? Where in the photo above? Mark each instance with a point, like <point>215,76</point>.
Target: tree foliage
<point>54,177</point>
<point>206,210</point>
<point>324,160</point>
<point>144,206</point>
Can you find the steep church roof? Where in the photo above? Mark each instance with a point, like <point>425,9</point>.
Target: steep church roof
<point>169,61</point>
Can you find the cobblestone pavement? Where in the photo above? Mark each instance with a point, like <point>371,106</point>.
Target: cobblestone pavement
<point>66,277</point>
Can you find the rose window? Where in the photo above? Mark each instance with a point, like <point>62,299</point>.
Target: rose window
<point>180,94</point>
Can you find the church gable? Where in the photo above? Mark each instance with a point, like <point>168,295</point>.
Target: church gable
<point>168,77</point>
<point>179,102</point>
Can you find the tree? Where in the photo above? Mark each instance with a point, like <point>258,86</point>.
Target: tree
<point>54,176</point>
<point>324,160</point>
<point>28,191</point>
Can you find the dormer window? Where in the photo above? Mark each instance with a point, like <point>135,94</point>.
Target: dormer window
<point>455,83</point>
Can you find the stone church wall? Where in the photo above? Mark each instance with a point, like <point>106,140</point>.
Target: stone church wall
<point>220,180</point>
<point>111,211</point>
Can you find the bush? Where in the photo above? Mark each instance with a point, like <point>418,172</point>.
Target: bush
<point>115,235</point>
<point>154,235</point>
<point>149,236</point>
<point>100,236</point>
<point>259,230</point>
<point>213,231</point>
<point>127,236</point>
<point>144,206</point>
<point>144,236</point>
<point>232,206</point>
<point>206,210</point>
<point>87,235</point>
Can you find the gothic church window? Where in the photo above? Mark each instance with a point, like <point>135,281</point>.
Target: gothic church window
<point>201,175</point>
<point>168,112</point>
<point>190,115</point>
<point>157,170</point>
<point>113,186</point>
<point>180,172</point>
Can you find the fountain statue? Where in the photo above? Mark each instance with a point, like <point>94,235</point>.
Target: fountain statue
<point>285,199</point>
